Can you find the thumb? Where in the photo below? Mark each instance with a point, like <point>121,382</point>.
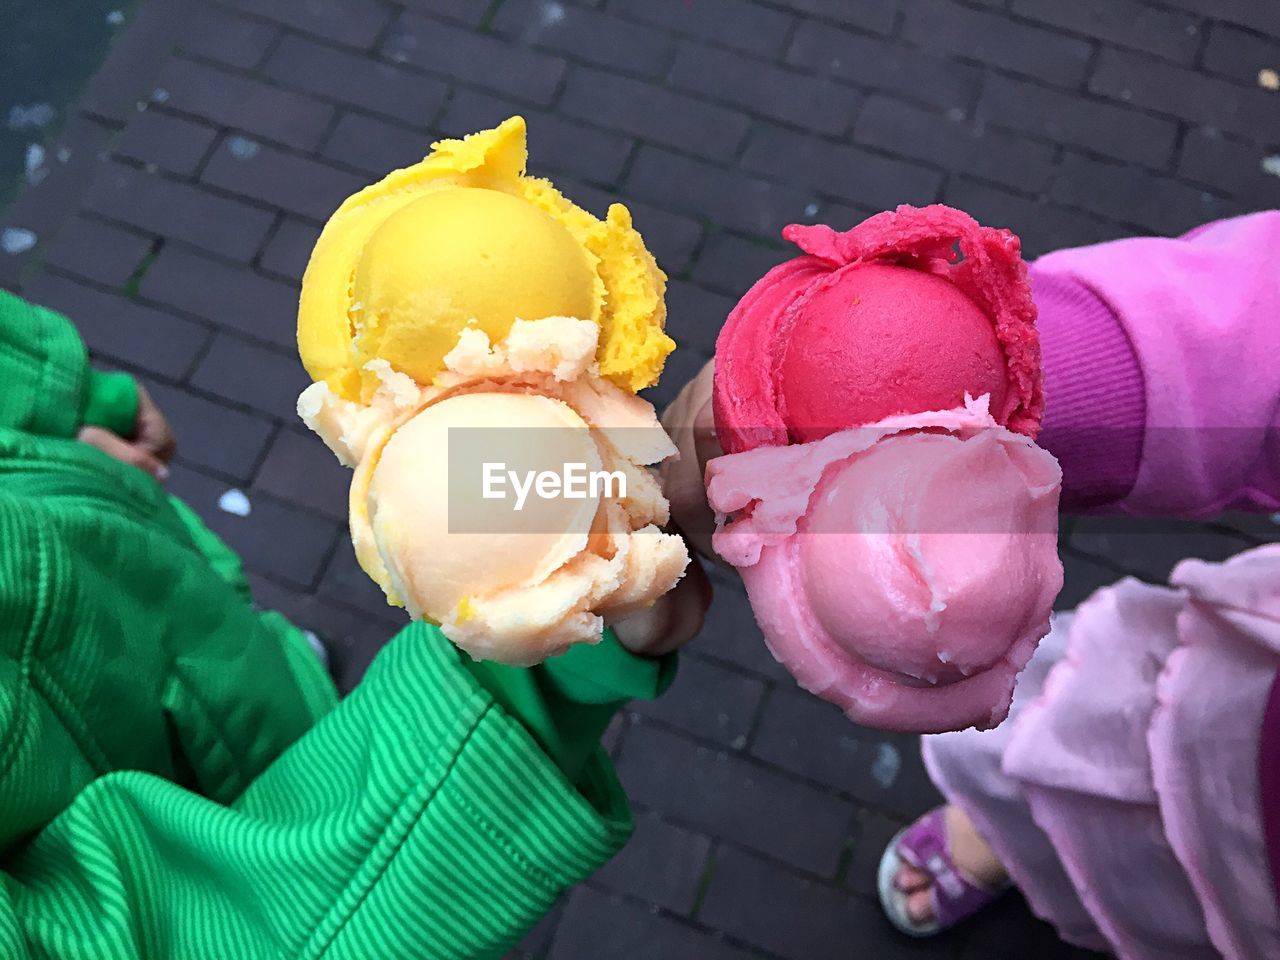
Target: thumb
<point>124,451</point>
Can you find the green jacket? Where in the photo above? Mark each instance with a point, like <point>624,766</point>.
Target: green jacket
<point>177,777</point>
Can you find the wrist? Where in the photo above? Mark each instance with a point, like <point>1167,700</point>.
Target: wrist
<point>1095,402</point>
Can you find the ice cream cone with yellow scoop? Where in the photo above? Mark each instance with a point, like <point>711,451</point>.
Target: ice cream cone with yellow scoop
<point>476,342</point>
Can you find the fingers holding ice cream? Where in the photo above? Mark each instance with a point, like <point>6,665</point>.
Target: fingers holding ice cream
<point>467,326</point>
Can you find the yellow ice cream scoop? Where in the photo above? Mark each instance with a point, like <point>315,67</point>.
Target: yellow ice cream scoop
<point>466,240</point>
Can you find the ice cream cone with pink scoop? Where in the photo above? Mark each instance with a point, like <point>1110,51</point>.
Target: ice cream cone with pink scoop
<point>462,313</point>
<point>881,492</point>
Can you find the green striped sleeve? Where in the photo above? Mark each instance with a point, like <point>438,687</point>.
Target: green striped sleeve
<point>46,385</point>
<point>417,819</point>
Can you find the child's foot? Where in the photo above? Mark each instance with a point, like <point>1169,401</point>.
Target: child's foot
<point>937,872</point>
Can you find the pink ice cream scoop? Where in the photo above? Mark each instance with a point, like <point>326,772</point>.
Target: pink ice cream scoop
<point>904,571</point>
<point>883,497</point>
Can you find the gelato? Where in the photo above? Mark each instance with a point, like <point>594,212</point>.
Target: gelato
<point>460,315</point>
<point>897,537</point>
<point>905,570</point>
<point>904,313</point>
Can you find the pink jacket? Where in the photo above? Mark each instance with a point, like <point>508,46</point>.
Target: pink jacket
<point>1162,370</point>
<point>1162,391</point>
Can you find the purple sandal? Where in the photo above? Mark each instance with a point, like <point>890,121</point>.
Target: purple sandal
<point>955,897</point>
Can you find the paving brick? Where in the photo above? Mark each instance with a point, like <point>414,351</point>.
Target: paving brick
<point>1228,165</point>
<point>274,539</point>
<point>906,72</point>
<point>730,797</point>
<point>289,249</point>
<point>1239,54</point>
<point>375,146</point>
<point>670,237</point>
<point>710,701</point>
<point>125,76</point>
<point>743,25</point>
<point>1041,226</point>
<point>345,583</point>
<point>300,469</point>
<point>555,143</point>
<point>697,315</point>
<point>233,100</point>
<point>485,61</point>
<point>1103,127</point>
<point>179,211</point>
<point>1006,930</point>
<point>1259,527</point>
<point>232,297</point>
<point>976,149</point>
<point>653,113</point>
<point>1126,23</point>
<point>873,835</point>
<point>875,15</point>
<point>1150,549</point>
<point>217,34</point>
<point>596,924</point>
<point>1250,112</point>
<point>210,435</point>
<point>731,633</point>
<point>463,11</point>
<point>121,329</point>
<point>995,39</point>
<point>848,172</point>
<point>681,366</point>
<point>622,46</point>
<point>843,216</point>
<point>813,739</point>
<point>97,251</point>
<point>356,23</point>
<point>1263,17</point>
<point>296,184</point>
<point>614,734</point>
<point>169,142</point>
<point>352,639</point>
<point>1082,575</point>
<point>732,264</point>
<point>798,918</point>
<point>1160,204</point>
<point>736,201</point>
<point>266,379</point>
<point>778,92</point>
<point>662,864</point>
<point>43,207</point>
<point>536,941</point>
<point>325,71</point>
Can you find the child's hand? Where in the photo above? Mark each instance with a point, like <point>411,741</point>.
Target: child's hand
<point>677,616</point>
<point>690,422</point>
<point>674,619</point>
<point>149,449</point>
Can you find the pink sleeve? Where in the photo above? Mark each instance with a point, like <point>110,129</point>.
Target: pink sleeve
<point>1162,370</point>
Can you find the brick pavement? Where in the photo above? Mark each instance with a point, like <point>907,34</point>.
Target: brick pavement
<point>209,149</point>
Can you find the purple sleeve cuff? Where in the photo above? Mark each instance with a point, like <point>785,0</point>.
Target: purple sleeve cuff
<point>1095,404</point>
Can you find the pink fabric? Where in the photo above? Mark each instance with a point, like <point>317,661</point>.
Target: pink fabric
<point>1200,315</point>
<point>1095,404</point>
<point>1204,746</point>
<point>1123,792</point>
<point>967,767</point>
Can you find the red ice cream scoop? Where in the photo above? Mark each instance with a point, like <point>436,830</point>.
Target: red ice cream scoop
<point>903,314</point>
